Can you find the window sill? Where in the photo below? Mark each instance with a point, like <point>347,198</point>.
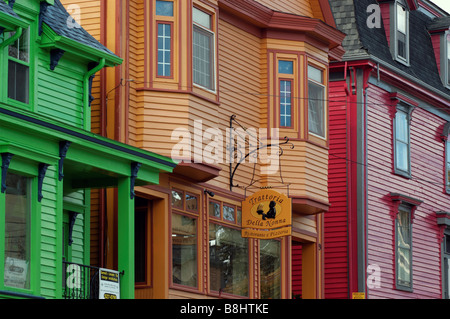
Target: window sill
<point>402,173</point>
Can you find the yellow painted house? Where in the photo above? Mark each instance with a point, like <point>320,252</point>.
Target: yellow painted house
<point>197,76</point>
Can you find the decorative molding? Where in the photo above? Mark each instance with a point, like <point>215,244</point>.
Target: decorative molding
<point>401,199</point>
<point>55,56</point>
<point>63,148</point>
<point>42,170</point>
<point>134,171</point>
<point>6,160</point>
<point>72,219</point>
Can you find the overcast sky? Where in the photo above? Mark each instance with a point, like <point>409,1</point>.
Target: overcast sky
<point>444,4</point>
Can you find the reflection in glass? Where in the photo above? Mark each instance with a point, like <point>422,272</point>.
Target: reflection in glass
<point>228,258</point>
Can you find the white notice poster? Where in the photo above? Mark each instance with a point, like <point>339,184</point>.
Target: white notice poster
<point>109,284</point>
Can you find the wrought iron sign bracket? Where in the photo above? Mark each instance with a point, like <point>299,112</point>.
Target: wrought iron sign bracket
<point>253,151</point>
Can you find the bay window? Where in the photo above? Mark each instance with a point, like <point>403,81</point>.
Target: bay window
<point>203,50</point>
<point>316,102</point>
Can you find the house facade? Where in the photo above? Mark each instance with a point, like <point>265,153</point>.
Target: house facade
<point>386,230</point>
<point>194,71</point>
<point>50,160</point>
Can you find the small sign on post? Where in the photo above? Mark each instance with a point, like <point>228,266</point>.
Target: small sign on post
<point>109,284</point>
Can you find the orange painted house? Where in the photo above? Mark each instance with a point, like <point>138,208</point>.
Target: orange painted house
<point>195,72</point>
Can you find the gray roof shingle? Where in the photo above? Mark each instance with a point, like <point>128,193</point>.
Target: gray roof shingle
<point>7,9</point>
<point>56,18</point>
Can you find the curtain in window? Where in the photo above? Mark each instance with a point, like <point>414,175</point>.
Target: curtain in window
<point>316,109</point>
<point>404,248</point>
<point>202,58</point>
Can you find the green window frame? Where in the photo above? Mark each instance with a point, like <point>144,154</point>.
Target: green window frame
<point>19,230</point>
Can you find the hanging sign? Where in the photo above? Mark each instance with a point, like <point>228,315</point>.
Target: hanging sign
<point>266,214</point>
<point>109,284</point>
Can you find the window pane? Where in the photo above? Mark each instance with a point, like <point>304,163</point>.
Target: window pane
<point>228,213</point>
<point>202,58</point>
<point>21,48</point>
<point>18,79</point>
<point>402,156</point>
<point>316,109</point>
<point>315,74</point>
<point>164,8</point>
<point>177,199</point>
<point>17,231</point>
<point>401,45</point>
<point>286,67</point>
<point>285,103</point>
<point>403,248</point>
<point>401,126</point>
<point>214,209</point>
<point>191,202</point>
<point>164,49</point>
<point>270,256</point>
<point>201,18</point>
<point>228,258</point>
<point>401,19</point>
<point>184,250</point>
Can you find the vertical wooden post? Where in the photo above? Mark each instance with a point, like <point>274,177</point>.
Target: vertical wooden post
<point>125,229</point>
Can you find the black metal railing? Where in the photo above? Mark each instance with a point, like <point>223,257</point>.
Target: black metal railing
<point>80,281</point>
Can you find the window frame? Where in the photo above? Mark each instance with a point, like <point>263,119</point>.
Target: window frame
<point>394,33</point>
<point>406,209</point>
<point>18,167</point>
<point>324,103</point>
<point>184,212</point>
<point>5,60</point>
<point>165,20</point>
<point>221,220</point>
<point>407,110</point>
<point>211,34</point>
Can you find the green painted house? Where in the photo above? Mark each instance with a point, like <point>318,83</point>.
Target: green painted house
<point>49,158</point>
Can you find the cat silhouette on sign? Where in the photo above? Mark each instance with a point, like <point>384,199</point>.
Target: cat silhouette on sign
<point>271,213</point>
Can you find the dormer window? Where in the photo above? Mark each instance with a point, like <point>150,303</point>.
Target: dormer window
<point>401,34</point>
<point>448,60</point>
<point>18,68</point>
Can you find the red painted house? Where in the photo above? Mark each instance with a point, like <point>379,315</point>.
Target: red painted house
<point>387,233</point>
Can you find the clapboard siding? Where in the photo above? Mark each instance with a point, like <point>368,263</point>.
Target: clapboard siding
<point>336,219</point>
<point>49,238</point>
<point>427,163</point>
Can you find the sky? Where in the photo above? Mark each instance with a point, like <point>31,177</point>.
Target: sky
<point>444,4</point>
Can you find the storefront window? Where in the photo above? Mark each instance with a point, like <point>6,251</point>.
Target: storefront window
<point>17,232</point>
<point>184,250</point>
<point>270,269</point>
<point>228,259</point>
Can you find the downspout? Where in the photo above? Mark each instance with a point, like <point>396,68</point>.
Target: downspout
<point>12,39</point>
<point>86,88</point>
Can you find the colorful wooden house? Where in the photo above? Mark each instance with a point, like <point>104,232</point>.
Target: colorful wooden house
<point>194,70</point>
<point>386,233</point>
<point>50,160</point>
